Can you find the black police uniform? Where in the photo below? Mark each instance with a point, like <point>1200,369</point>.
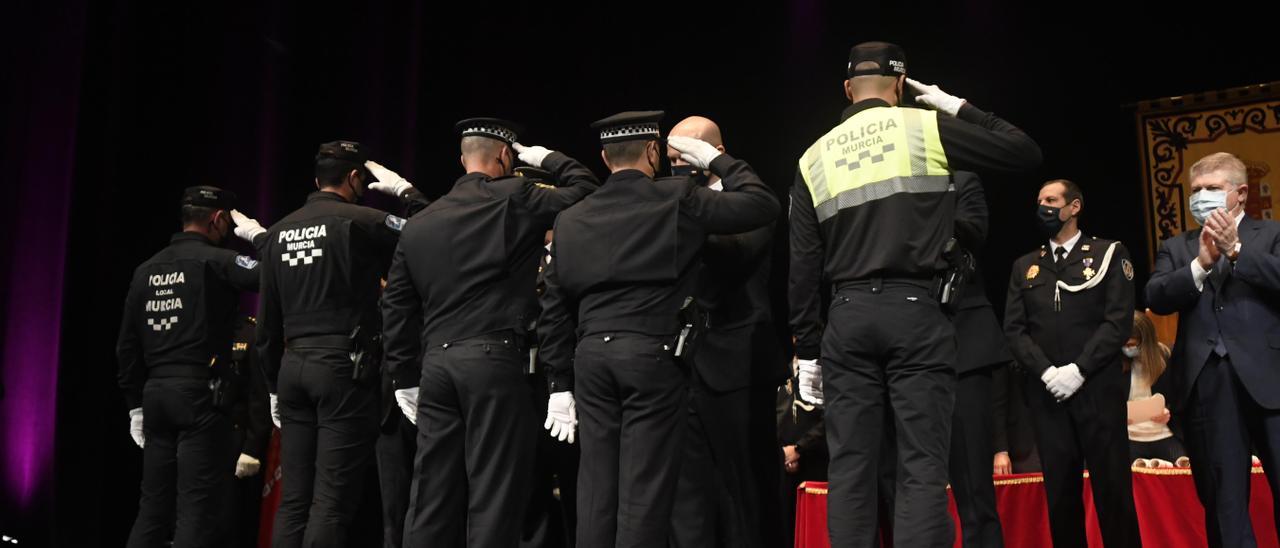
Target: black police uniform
<point>1049,326</point>
<point>459,298</point>
<point>729,471</point>
<point>178,321</point>
<point>623,263</point>
<point>322,269</point>
<point>887,342</point>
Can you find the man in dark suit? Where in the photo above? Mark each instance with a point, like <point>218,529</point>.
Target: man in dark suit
<point>737,368</point>
<point>980,351</point>
<point>1224,282</point>
<point>1069,311</point>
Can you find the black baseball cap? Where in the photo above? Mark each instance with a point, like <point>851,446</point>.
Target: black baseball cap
<point>208,196</point>
<point>890,57</point>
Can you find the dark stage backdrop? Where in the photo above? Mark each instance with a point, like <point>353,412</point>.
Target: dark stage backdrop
<point>113,106</point>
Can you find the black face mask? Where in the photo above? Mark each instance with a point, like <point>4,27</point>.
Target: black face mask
<point>699,176</point>
<point>1049,221</point>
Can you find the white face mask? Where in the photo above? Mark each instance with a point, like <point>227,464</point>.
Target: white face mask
<point>1204,202</point>
<point>1130,351</point>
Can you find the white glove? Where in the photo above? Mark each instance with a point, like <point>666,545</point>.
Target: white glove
<point>246,228</point>
<point>935,98</point>
<point>810,381</point>
<point>562,416</point>
<point>1065,382</point>
<point>247,466</point>
<point>275,410</point>
<point>697,152</point>
<point>389,182</point>
<point>531,155</point>
<point>135,426</point>
<point>1048,375</point>
<point>407,399</point>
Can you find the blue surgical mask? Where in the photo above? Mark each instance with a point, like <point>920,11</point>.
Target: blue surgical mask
<point>1130,351</point>
<point>1205,202</point>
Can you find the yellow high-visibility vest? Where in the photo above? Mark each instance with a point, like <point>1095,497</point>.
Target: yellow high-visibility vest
<point>876,153</point>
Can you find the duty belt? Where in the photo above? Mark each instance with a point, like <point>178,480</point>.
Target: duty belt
<point>336,342</point>
<point>876,284</point>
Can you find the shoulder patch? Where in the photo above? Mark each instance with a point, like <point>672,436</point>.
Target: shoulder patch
<point>1128,269</point>
<point>246,262</point>
<point>395,223</point>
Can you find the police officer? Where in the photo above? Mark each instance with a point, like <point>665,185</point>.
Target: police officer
<point>624,263</point>
<point>174,337</point>
<point>459,298</point>
<point>731,460</point>
<point>320,284</point>
<point>872,210</point>
<point>1068,313</point>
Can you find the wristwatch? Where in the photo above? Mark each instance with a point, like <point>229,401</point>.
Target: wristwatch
<point>1234,253</point>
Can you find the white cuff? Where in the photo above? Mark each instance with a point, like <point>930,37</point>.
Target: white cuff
<point>1199,274</point>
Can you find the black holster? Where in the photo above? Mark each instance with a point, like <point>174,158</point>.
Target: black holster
<point>366,353</point>
<point>225,384</point>
<point>950,285</point>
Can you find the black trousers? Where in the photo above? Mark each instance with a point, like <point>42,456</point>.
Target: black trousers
<point>1223,423</point>
<point>888,343</point>
<point>716,501</point>
<point>632,399</point>
<point>188,464</point>
<point>764,461</point>
<point>329,427</point>
<point>971,452</point>
<point>397,444</point>
<point>551,520</point>
<point>1088,427</point>
<point>474,466</point>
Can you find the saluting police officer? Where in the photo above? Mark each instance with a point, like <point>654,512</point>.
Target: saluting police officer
<point>872,210</point>
<point>731,459</point>
<point>175,338</point>
<point>625,261</point>
<point>1069,312</point>
<point>318,328</point>
<point>463,282</point>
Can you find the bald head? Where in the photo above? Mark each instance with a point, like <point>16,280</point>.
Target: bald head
<point>698,128</point>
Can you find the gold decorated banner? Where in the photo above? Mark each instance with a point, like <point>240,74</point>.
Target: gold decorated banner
<point>1176,132</point>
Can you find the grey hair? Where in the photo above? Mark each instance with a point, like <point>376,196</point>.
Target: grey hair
<point>1221,162</point>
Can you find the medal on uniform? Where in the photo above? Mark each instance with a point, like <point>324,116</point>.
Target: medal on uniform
<point>1033,271</point>
<point>1088,273</point>
<point>1088,261</point>
<point>1084,247</point>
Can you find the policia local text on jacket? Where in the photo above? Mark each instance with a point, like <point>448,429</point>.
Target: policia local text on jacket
<point>178,320</point>
<point>871,211</point>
